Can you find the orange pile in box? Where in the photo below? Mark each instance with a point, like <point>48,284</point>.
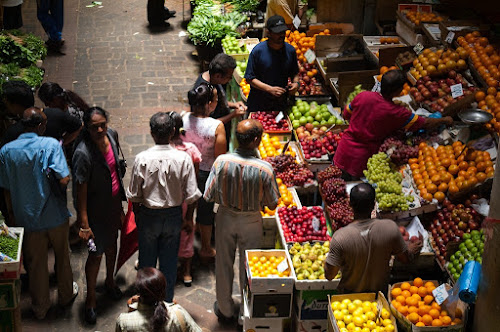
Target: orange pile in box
<point>416,302</point>
<point>301,42</point>
<point>267,266</point>
<point>245,87</point>
<point>441,170</point>
<point>285,200</point>
<point>490,102</point>
<point>484,57</point>
<point>438,63</point>
<point>417,17</point>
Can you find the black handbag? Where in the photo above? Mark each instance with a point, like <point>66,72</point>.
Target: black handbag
<point>122,163</point>
<point>55,186</point>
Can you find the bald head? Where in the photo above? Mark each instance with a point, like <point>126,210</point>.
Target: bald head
<point>249,133</point>
<point>362,199</point>
<point>34,120</point>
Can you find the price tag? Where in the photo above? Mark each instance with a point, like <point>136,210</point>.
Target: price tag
<point>449,38</point>
<point>418,48</point>
<point>310,56</point>
<point>279,117</point>
<point>456,90</point>
<point>283,266</point>
<point>376,87</point>
<point>315,224</point>
<point>440,294</point>
<point>296,22</point>
<point>241,43</point>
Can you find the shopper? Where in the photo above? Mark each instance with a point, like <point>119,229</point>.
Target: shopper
<point>99,194</point>
<point>12,14</point>
<point>157,13</point>
<point>25,163</point>
<point>219,73</point>
<point>209,136</point>
<point>162,179</point>
<point>242,185</point>
<point>50,13</point>
<point>362,250</point>
<point>152,313</point>
<point>186,250</point>
<point>270,65</point>
<point>372,118</point>
<point>53,96</point>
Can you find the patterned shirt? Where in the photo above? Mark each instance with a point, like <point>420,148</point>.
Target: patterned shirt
<point>242,181</point>
<point>138,321</point>
<point>23,171</point>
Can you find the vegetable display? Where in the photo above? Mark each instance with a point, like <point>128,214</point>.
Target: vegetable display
<point>9,246</point>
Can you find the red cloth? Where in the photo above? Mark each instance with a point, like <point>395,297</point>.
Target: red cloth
<point>110,160</point>
<point>371,120</point>
<point>128,238</point>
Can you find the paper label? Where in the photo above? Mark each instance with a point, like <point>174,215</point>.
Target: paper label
<point>283,266</point>
<point>418,48</point>
<point>456,90</point>
<point>296,22</point>
<point>315,224</point>
<point>241,43</point>
<point>279,117</point>
<point>449,38</point>
<point>310,56</point>
<point>376,87</point>
<point>440,294</point>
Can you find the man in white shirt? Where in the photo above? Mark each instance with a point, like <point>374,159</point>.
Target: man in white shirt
<point>162,179</point>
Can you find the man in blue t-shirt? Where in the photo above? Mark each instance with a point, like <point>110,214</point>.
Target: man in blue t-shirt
<point>269,67</point>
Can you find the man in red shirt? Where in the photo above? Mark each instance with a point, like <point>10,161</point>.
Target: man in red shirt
<point>372,118</point>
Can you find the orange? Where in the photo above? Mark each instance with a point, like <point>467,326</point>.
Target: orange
<point>428,298</point>
<point>434,313</point>
<point>420,324</point>
<point>396,292</point>
<point>413,289</point>
<point>401,299</point>
<point>434,305</point>
<point>411,301</point>
<point>432,188</point>
<point>406,294</point>
<point>403,310</point>
<point>427,320</point>
<point>479,95</point>
<point>413,317</point>
<point>427,196</point>
<point>444,313</point>
<point>439,196</point>
<point>422,291</point>
<point>395,304</point>
<point>456,321</point>
<point>437,322</point>
<point>412,309</point>
<point>406,285</point>
<point>418,282</point>
<point>424,310</point>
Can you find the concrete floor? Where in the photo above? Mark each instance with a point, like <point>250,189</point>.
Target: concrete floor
<point>114,61</point>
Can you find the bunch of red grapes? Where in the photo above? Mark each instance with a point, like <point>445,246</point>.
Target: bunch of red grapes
<point>333,189</point>
<point>329,173</point>
<point>400,152</point>
<point>291,173</point>
<point>340,213</point>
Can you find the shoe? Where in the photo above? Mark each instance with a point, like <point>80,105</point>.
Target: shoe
<point>169,13</point>
<point>220,316</point>
<point>188,281</point>
<point>114,292</point>
<point>90,316</point>
<point>73,297</point>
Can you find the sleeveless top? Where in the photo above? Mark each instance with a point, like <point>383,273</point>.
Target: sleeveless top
<point>201,132</point>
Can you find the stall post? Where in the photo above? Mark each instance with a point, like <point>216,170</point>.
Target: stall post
<point>487,311</point>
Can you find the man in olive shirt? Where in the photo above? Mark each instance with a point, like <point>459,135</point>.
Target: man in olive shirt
<point>362,250</point>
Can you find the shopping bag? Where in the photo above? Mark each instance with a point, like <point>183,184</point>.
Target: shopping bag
<point>128,238</point>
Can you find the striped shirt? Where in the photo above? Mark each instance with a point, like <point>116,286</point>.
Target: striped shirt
<point>242,182</point>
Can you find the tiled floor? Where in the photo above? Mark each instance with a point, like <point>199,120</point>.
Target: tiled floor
<point>114,61</point>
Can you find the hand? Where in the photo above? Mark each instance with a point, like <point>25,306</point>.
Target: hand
<point>276,91</point>
<point>448,120</point>
<point>293,88</point>
<point>187,225</point>
<point>414,248</point>
<point>85,234</point>
<point>240,109</point>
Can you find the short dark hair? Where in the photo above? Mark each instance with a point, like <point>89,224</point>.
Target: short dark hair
<point>151,286</point>
<point>32,117</point>
<point>50,90</point>
<point>362,198</point>
<point>87,116</point>
<point>200,95</point>
<point>392,81</point>
<point>247,137</point>
<point>162,125</point>
<point>19,93</point>
<point>221,63</point>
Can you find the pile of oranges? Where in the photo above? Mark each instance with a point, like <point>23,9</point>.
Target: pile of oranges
<point>285,200</point>
<point>384,69</point>
<point>438,63</point>
<point>484,57</point>
<point>415,301</point>
<point>301,42</point>
<point>490,102</point>
<point>245,87</point>
<point>263,266</point>
<point>445,169</point>
<point>417,17</point>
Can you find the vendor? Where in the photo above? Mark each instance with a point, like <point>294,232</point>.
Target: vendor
<point>285,8</point>
<point>372,118</point>
<point>362,249</point>
<point>269,67</point>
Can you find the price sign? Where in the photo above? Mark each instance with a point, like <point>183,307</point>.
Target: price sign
<point>315,224</point>
<point>440,294</point>
<point>296,22</point>
<point>283,266</point>
<point>279,117</point>
<point>456,90</point>
<point>310,56</point>
<point>418,48</point>
<point>449,38</point>
<point>376,87</point>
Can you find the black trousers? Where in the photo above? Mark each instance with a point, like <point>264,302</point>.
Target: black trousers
<point>12,17</point>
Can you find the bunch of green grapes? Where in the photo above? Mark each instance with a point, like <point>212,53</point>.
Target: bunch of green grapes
<point>393,202</point>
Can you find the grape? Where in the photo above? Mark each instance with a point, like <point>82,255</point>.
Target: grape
<point>328,173</point>
<point>401,152</point>
<point>288,170</point>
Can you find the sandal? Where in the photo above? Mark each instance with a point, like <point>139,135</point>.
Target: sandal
<point>188,281</point>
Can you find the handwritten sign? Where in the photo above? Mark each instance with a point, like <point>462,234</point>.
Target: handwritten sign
<point>456,90</point>
<point>315,224</point>
<point>283,266</point>
<point>376,87</point>
<point>449,37</point>
<point>296,22</point>
<point>279,117</point>
<point>418,48</point>
<point>310,56</point>
<point>440,294</point>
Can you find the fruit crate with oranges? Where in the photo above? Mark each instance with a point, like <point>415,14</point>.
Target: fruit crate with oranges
<point>414,15</point>
<point>414,306</point>
<point>359,311</point>
<point>269,271</point>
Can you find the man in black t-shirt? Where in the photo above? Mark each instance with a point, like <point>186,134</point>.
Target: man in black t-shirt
<point>220,72</point>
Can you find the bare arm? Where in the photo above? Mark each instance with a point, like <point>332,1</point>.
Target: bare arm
<point>432,123</point>
<point>220,140</point>
<point>331,271</point>
<point>64,181</point>
<point>276,91</point>
<point>81,194</point>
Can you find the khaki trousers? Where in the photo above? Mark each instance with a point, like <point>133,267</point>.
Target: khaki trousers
<point>233,229</point>
<point>35,253</point>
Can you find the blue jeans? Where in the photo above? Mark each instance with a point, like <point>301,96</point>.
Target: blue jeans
<point>159,233</point>
<point>50,13</point>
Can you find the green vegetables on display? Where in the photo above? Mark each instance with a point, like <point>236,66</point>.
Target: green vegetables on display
<point>209,30</point>
<point>9,246</point>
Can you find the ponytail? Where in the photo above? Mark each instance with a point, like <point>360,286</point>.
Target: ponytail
<point>159,317</point>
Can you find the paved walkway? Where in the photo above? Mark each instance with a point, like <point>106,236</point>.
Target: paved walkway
<point>114,61</point>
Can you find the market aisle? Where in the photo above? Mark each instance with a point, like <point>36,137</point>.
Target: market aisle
<point>112,60</point>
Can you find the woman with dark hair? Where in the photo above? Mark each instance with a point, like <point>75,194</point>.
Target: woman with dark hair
<point>186,250</point>
<point>54,96</point>
<point>209,136</point>
<point>150,312</point>
<point>99,193</point>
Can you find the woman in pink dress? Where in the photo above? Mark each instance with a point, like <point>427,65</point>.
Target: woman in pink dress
<point>186,250</point>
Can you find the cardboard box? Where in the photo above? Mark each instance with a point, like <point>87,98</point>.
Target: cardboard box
<point>380,298</point>
<point>10,320</point>
<point>261,324</point>
<point>12,270</point>
<point>314,325</point>
<point>348,80</point>
<point>313,304</point>
<point>269,305</point>
<point>258,285</point>
<point>10,294</point>
<point>462,27</point>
